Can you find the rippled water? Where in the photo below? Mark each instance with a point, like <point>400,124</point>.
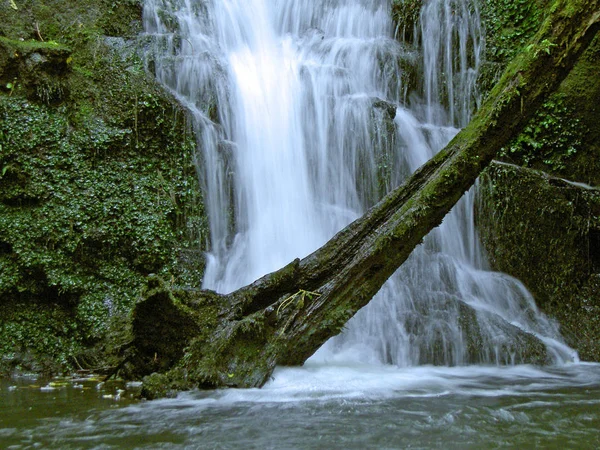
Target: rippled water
<point>322,406</point>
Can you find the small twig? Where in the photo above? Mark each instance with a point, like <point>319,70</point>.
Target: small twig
<point>300,296</point>
<point>37,30</point>
<point>77,362</point>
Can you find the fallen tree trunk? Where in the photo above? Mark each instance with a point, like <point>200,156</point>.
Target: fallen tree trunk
<point>284,317</point>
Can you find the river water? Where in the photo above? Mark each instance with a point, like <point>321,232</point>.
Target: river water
<point>306,113</point>
<point>321,407</point>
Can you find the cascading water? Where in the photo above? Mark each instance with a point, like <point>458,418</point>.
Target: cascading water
<point>303,123</point>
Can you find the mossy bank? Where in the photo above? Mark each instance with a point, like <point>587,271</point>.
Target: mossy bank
<point>535,226</point>
<point>98,186</point>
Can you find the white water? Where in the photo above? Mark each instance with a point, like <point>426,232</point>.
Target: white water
<point>295,143</point>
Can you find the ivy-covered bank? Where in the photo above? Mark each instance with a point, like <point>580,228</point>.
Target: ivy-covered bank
<point>563,138</point>
<point>98,186</point>
<point>535,226</point>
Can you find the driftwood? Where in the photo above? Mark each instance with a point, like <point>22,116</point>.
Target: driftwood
<point>208,339</point>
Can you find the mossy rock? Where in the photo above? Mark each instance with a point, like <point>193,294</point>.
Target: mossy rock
<point>545,231</point>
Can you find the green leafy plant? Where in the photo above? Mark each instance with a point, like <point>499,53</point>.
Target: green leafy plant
<point>551,138</point>
<point>509,25</point>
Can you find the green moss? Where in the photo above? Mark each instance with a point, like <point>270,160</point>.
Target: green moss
<point>98,185</point>
<point>33,46</point>
<point>551,139</point>
<point>55,20</point>
<point>158,385</point>
<point>236,355</point>
<point>546,232</point>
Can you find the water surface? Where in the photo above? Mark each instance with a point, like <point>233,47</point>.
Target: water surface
<point>322,406</point>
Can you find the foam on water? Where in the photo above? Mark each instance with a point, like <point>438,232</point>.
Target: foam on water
<point>316,382</point>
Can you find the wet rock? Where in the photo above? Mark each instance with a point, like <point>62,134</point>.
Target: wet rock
<point>545,231</point>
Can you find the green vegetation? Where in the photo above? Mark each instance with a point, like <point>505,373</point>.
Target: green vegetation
<point>550,141</point>
<point>581,91</point>
<point>405,14</point>
<point>563,137</point>
<point>510,24</point>
<point>98,186</point>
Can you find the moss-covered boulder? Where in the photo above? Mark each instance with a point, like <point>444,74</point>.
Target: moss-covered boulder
<point>546,232</point>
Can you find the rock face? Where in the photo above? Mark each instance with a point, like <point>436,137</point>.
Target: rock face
<point>39,68</point>
<point>546,232</point>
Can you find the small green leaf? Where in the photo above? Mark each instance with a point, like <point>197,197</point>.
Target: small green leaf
<point>9,85</point>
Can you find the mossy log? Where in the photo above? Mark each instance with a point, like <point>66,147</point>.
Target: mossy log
<point>284,317</point>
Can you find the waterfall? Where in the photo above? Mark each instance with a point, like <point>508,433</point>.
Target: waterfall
<point>306,113</point>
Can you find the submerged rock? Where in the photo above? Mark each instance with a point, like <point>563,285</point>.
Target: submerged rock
<point>456,331</point>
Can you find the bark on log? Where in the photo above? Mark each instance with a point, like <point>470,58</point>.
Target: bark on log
<point>284,317</point>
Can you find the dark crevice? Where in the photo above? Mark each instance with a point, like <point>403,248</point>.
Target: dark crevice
<point>5,248</point>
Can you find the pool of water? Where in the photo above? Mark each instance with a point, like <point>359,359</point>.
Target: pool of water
<point>318,407</point>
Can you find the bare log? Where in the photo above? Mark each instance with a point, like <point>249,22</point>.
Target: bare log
<point>284,317</point>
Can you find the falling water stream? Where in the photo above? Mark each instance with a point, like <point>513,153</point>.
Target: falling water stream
<point>306,113</point>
